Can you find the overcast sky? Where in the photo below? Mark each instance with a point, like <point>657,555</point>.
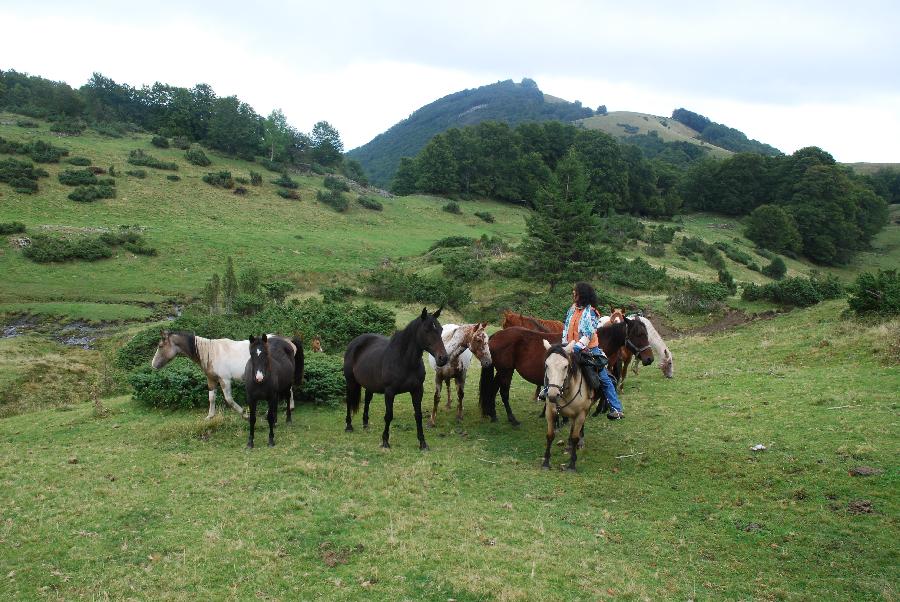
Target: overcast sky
<point>791,74</point>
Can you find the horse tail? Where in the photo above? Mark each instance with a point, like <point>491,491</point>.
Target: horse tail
<point>486,393</point>
<point>298,360</point>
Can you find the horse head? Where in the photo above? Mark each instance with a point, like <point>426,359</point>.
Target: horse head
<point>559,366</point>
<point>428,336</point>
<point>666,364</point>
<point>478,344</point>
<point>260,366</point>
<point>638,340</point>
<point>170,345</point>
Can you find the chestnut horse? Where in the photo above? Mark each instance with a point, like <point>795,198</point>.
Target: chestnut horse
<point>522,350</point>
<point>511,319</point>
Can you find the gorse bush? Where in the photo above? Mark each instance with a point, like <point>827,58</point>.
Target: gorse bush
<point>173,177</point>
<point>22,176</point>
<point>661,235</point>
<point>337,294</point>
<point>370,203</point>
<point>397,285</point>
<point>696,297</point>
<point>12,227</point>
<point>285,181</point>
<point>141,159</point>
<point>197,157</point>
<point>452,241</point>
<point>160,142</point>
<point>79,161</point>
<point>288,194</point>
<point>180,386</point>
<point>798,291</point>
<point>876,293</point>
<point>137,173</point>
<point>180,142</point>
<point>87,194</point>
<point>616,230</point>
<point>636,273</point>
<point>334,183</point>
<point>52,249</point>
<point>255,178</point>
<point>44,152</point>
<point>485,216</point>
<point>77,177</point>
<point>334,199</point>
<point>68,127</point>
<point>323,379</point>
<point>775,270</point>
<point>219,179</point>
<point>452,207</point>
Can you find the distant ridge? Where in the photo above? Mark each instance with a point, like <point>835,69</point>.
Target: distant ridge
<point>505,101</point>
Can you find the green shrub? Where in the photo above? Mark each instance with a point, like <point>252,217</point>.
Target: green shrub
<point>452,207</point>
<point>514,267</point>
<point>22,176</point>
<point>181,143</point>
<point>727,280</point>
<point>734,254</point>
<point>10,147</point>
<point>27,123</point>
<point>288,194</point>
<point>876,293</point>
<point>334,199</point>
<point>775,270</point>
<point>173,177</point>
<point>616,230</point>
<point>241,180</point>
<point>485,216</point>
<point>798,291</point>
<point>370,203</point>
<point>337,294</point>
<point>179,386</point>
<point>255,178</point>
<point>137,173</point>
<point>333,183</point>
<point>77,177</point>
<point>44,152</point>
<point>661,235</point>
<point>68,127</point>
<point>80,161</point>
<point>197,157</point>
<point>277,290</point>
<point>452,241</point>
<point>636,273</point>
<point>698,297</point>
<point>656,250</point>
<point>247,304</point>
<point>49,249</point>
<point>285,181</point>
<point>219,179</point>
<point>395,284</point>
<point>323,379</point>
<point>87,194</point>
<point>160,142</point>
<point>12,227</point>
<point>140,158</point>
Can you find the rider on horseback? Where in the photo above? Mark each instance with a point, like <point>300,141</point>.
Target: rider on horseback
<point>581,324</point>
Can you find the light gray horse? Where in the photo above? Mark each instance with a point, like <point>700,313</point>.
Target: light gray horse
<point>460,342</point>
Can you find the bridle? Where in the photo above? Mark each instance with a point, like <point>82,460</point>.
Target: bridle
<point>563,388</point>
<point>634,348</point>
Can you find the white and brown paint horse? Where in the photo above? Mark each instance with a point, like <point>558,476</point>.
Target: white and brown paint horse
<point>461,342</point>
<point>660,350</point>
<point>222,361</point>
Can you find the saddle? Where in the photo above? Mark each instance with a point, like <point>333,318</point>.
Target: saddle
<point>590,367</point>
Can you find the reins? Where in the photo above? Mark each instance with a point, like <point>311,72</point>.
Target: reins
<point>562,389</point>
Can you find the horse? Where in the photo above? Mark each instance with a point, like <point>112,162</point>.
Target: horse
<point>222,360</point>
<point>511,319</point>
<point>566,392</point>
<point>521,350</point>
<point>317,345</point>
<point>460,342</point>
<point>269,374</point>
<point>392,366</point>
<point>666,361</point>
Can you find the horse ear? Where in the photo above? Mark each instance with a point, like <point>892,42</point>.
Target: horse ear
<point>547,344</point>
<point>437,313</point>
<point>570,347</point>
<point>424,312</point>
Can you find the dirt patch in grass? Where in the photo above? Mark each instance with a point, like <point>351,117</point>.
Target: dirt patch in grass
<point>860,507</point>
<point>332,556</point>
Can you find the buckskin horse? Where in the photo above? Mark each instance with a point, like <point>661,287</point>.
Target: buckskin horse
<point>522,350</point>
<point>392,366</point>
<point>566,392</point>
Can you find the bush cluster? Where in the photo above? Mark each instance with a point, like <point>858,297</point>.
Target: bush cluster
<point>397,285</point>
<point>141,159</point>
<point>799,291</point>
<point>12,227</point>
<point>337,294</point>
<point>89,193</point>
<point>219,179</point>
<point>334,199</point>
<point>616,230</point>
<point>180,386</point>
<point>285,181</point>
<point>452,241</point>
<point>196,156</point>
<point>370,203</point>
<point>181,143</point>
<point>77,177</point>
<point>636,273</point>
<point>160,142</point>
<point>876,293</point>
<point>485,216</point>
<point>452,207</point>
<point>272,165</point>
<point>22,176</point>
<point>698,297</point>
<point>51,249</point>
<point>661,235</point>
<point>334,183</point>
<point>775,270</point>
<point>255,178</point>
<point>288,194</point>
<point>173,177</point>
<point>79,161</point>
<point>38,151</point>
<point>737,255</point>
<point>68,126</point>
<point>323,379</point>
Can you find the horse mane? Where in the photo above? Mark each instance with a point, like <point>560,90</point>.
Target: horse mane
<point>191,341</point>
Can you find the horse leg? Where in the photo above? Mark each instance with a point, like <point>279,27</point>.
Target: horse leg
<point>438,383</point>
<point>226,391</point>
<point>289,408</point>
<point>504,395</point>
<point>574,436</point>
<point>550,413</point>
<point>353,389</point>
<point>417,410</point>
<point>211,385</point>
<point>368,400</point>
<point>272,417</point>
<point>460,393</point>
<point>252,418</point>
<point>388,416</point>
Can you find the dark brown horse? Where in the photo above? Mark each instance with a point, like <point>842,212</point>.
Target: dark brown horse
<point>392,366</point>
<point>512,319</point>
<point>522,350</point>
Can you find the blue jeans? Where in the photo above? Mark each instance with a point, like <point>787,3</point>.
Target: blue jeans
<point>606,381</point>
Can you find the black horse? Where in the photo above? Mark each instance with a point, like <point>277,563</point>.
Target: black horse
<point>392,366</point>
<point>271,371</point>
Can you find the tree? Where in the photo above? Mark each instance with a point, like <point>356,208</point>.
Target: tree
<point>437,167</point>
<point>562,231</point>
<point>327,148</point>
<point>771,227</point>
<point>276,135</point>
<point>775,270</point>
<point>229,286</point>
<point>405,179</point>
<point>211,294</point>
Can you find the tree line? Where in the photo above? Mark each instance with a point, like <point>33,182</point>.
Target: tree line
<point>226,123</point>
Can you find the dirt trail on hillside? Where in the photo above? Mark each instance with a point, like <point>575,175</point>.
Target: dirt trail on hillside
<point>729,320</point>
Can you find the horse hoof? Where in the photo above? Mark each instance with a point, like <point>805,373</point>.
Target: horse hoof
<point>289,420</point>
<point>348,428</point>
<point>385,445</point>
<point>271,444</point>
<point>545,467</point>
<point>423,446</point>
<point>210,416</point>
<point>571,469</point>
<point>249,446</point>
<point>493,419</point>
<point>366,427</point>
<point>514,422</point>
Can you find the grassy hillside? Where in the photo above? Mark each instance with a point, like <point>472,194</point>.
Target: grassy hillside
<point>667,129</point>
<point>668,504</point>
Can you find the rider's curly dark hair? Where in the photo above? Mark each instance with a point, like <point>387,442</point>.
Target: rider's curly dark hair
<point>585,295</point>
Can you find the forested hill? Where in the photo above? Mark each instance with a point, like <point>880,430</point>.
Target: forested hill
<point>504,101</point>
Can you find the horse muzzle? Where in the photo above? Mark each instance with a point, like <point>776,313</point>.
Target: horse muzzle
<point>441,360</point>
<point>647,360</point>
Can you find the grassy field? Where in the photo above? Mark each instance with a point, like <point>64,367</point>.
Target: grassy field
<point>668,129</point>
<point>668,504</point>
